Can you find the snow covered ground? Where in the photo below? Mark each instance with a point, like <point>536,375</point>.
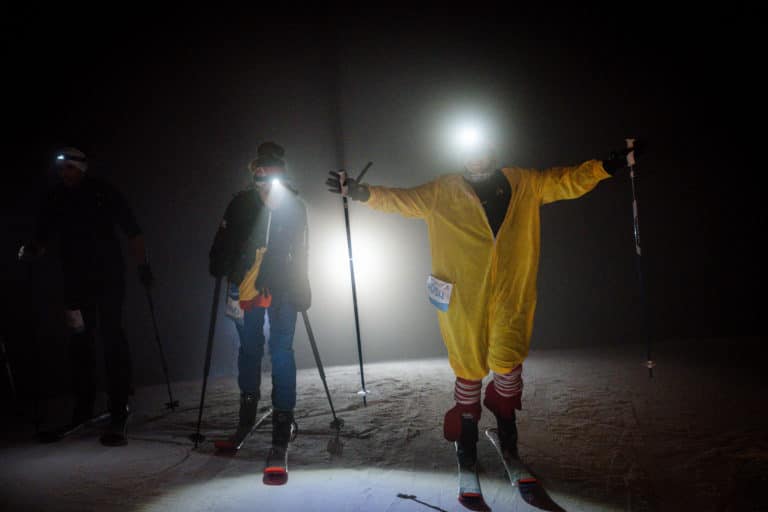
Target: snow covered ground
<point>598,432</point>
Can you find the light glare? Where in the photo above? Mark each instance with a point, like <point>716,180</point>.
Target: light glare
<point>469,137</point>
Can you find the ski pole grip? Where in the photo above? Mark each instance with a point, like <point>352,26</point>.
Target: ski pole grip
<point>631,153</point>
<point>343,187</point>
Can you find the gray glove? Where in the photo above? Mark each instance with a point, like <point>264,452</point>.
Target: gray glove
<point>347,186</point>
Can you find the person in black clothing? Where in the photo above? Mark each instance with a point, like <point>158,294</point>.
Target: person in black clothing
<point>261,246</point>
<point>82,212</point>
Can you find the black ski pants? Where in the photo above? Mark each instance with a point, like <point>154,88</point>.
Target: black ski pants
<point>99,299</point>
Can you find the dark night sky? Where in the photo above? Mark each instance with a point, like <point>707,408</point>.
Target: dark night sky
<point>170,108</point>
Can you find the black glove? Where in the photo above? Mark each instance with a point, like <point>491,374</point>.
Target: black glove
<point>145,275</point>
<point>355,191</point>
<point>617,160</point>
<point>30,251</point>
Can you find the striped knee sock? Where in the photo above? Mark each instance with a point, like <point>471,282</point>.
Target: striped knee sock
<point>467,392</point>
<point>509,384</point>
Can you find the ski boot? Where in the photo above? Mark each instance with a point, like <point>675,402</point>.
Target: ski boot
<point>116,433</point>
<point>503,408</point>
<point>507,429</point>
<point>283,428</point>
<point>466,445</point>
<point>249,403</point>
<point>453,420</point>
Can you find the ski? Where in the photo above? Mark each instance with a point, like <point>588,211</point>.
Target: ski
<point>276,468</point>
<point>57,434</point>
<point>470,493</point>
<point>276,464</point>
<point>232,444</point>
<point>521,477</point>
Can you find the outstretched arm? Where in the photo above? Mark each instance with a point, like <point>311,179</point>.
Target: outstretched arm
<point>409,202</point>
<point>558,183</point>
<point>571,182</point>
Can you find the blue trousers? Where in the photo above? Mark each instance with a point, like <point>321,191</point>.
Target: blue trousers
<point>281,316</point>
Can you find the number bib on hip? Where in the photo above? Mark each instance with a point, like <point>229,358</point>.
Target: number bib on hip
<point>439,292</point>
<point>233,309</point>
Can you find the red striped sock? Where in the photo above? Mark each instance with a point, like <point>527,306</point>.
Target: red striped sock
<point>467,392</point>
<point>509,384</point>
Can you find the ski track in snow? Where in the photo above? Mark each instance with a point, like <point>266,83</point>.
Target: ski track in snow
<point>599,434</point>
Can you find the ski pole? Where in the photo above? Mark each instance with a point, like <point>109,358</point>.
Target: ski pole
<point>363,391</point>
<point>197,437</point>
<point>336,423</point>
<point>171,404</point>
<point>6,361</point>
<point>649,363</point>
<point>30,279</point>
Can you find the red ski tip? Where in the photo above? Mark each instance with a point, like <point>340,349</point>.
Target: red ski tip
<point>474,501</point>
<point>224,446</point>
<point>275,475</point>
<point>530,480</point>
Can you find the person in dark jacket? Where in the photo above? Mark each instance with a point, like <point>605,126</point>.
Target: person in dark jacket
<point>83,211</point>
<point>261,246</point>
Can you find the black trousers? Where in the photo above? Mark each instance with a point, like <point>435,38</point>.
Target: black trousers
<point>99,297</point>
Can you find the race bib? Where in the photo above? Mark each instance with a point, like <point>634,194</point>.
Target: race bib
<point>439,292</point>
<point>232,308</point>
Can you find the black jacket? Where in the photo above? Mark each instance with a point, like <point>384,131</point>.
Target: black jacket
<point>244,229</point>
<point>84,218</point>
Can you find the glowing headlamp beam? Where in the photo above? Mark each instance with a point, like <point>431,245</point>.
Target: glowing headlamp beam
<point>469,137</point>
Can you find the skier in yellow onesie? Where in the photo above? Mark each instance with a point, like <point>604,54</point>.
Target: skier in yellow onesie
<point>484,230</point>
